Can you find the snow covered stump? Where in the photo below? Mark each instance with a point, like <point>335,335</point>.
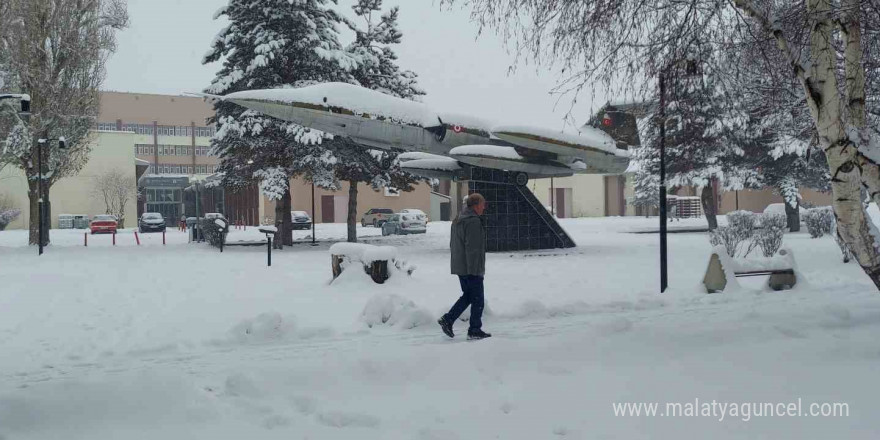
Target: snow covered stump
<point>374,259</point>
<point>723,270</point>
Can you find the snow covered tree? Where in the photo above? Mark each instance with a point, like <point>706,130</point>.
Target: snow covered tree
<point>829,49</point>
<point>115,189</point>
<point>55,51</point>
<point>378,70</point>
<point>274,44</point>
<point>357,164</point>
<point>699,150</point>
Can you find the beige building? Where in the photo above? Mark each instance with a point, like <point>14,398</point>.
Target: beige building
<point>332,206</point>
<point>172,134</point>
<point>74,195</point>
<point>586,195</point>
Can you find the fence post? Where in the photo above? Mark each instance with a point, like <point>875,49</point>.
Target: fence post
<point>163,238</point>
<point>86,239</point>
<point>269,243</point>
<point>138,240</point>
<point>114,239</point>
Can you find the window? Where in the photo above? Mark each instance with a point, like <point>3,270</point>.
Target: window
<point>189,169</point>
<point>106,126</point>
<point>205,131</point>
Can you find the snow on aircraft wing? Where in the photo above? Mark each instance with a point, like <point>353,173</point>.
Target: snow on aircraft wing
<point>436,167</point>
<point>567,143</point>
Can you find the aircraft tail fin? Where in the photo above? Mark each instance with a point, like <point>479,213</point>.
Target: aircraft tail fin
<point>619,121</point>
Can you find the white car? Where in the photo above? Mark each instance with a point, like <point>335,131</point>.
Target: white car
<point>402,224</point>
<point>417,212</point>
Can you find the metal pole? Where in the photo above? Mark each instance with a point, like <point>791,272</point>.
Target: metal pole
<point>313,214</point>
<point>269,244</point>
<point>40,194</point>
<point>552,199</point>
<point>663,274</point>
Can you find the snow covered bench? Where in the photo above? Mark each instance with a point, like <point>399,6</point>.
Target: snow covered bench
<point>375,259</point>
<point>723,270</point>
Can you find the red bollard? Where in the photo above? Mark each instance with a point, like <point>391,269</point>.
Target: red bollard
<point>86,239</point>
<point>138,240</point>
<point>114,239</point>
<point>163,238</point>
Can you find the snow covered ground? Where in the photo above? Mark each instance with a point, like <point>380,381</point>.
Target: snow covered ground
<point>180,341</point>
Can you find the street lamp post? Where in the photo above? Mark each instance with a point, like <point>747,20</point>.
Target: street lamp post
<point>690,70</point>
<point>664,280</point>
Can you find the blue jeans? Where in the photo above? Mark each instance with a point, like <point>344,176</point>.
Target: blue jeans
<point>471,295</point>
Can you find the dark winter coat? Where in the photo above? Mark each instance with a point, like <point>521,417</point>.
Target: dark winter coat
<point>467,243</point>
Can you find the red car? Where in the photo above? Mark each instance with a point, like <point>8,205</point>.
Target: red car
<point>103,223</point>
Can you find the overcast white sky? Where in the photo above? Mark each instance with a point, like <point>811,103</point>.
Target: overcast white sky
<point>161,52</point>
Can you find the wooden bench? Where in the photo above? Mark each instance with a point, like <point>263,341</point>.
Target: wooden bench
<point>716,278</point>
<point>376,260</point>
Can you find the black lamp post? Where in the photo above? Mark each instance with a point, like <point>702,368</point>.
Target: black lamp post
<point>690,70</point>
<point>664,279</point>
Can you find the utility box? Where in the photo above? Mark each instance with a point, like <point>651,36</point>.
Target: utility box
<point>65,221</point>
<point>81,221</point>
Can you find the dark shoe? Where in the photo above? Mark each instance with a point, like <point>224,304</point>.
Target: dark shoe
<point>478,334</point>
<point>446,326</point>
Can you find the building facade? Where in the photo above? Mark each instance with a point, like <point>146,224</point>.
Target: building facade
<point>75,195</point>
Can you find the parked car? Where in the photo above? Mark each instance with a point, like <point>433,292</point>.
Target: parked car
<point>301,220</point>
<point>214,215</point>
<point>151,222</point>
<point>103,223</point>
<point>418,212</point>
<point>376,217</point>
<point>401,224</point>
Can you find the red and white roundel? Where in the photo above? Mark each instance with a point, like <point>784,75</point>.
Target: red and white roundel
<point>457,128</point>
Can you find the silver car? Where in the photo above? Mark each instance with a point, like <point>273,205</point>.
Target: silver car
<point>401,224</point>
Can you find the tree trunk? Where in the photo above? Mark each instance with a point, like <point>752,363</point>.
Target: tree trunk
<point>352,211</point>
<point>287,219</point>
<point>34,213</point>
<point>824,100</point>
<point>710,208</point>
<point>278,241</point>
<point>849,168</point>
<point>793,215</point>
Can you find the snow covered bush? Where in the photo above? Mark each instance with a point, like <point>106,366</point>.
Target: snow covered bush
<point>820,221</point>
<point>7,217</point>
<point>214,230</point>
<point>730,238</point>
<point>743,221</point>
<point>769,239</point>
<point>774,220</point>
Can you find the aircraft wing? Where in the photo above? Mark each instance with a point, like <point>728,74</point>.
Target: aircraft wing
<point>587,150</point>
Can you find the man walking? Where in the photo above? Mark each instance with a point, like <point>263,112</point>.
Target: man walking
<point>467,244</point>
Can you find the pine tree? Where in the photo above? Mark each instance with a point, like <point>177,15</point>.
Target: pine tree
<point>274,44</point>
<point>700,150</point>
<point>377,70</point>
